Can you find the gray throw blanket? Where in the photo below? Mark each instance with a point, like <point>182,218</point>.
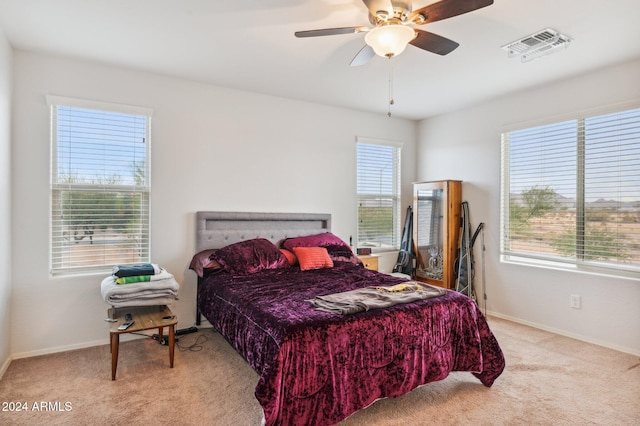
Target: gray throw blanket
<point>157,292</point>
<point>364,299</point>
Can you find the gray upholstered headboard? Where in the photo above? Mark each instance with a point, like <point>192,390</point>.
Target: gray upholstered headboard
<point>218,229</point>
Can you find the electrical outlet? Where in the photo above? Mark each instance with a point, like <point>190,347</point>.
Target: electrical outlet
<point>576,301</point>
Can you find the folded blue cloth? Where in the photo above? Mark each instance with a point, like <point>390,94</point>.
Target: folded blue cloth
<point>134,270</point>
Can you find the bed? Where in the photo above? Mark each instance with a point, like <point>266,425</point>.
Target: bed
<point>317,367</point>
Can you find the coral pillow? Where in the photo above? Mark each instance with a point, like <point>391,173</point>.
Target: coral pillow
<point>313,258</point>
<point>338,250</point>
<point>290,256</point>
<point>247,257</point>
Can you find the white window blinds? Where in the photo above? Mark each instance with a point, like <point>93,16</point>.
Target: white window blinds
<point>571,193</point>
<point>378,195</point>
<point>100,186</point>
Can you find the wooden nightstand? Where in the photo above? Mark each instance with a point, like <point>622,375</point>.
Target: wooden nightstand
<point>370,261</point>
<point>145,318</point>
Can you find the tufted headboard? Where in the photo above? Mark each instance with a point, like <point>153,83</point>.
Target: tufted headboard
<point>218,229</point>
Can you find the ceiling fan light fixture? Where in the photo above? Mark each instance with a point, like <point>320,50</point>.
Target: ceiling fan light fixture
<point>382,15</point>
<point>389,40</point>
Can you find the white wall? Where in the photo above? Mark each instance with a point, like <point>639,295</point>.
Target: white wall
<point>5,201</point>
<point>465,145</point>
<point>212,149</point>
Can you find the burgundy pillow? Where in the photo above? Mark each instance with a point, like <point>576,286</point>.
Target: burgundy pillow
<point>202,262</point>
<point>250,256</point>
<point>338,250</point>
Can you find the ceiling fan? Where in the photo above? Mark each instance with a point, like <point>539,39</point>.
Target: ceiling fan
<point>393,27</point>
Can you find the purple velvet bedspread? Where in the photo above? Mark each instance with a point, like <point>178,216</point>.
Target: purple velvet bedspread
<point>318,368</point>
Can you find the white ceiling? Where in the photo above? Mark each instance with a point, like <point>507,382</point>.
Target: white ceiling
<point>250,45</point>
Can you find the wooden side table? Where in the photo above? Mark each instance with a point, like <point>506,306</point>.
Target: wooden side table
<point>145,318</point>
<point>370,261</point>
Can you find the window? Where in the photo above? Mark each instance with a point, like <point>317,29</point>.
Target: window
<point>100,185</point>
<point>378,188</point>
<point>571,194</point>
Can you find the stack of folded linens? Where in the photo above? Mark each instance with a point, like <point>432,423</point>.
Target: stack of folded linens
<point>139,285</point>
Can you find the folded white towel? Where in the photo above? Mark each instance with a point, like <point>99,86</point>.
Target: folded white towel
<point>154,301</point>
<point>115,294</point>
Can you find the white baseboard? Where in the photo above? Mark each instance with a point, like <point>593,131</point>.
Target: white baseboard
<point>53,350</point>
<point>489,314</point>
<point>57,349</point>
<point>5,366</point>
<point>566,334</point>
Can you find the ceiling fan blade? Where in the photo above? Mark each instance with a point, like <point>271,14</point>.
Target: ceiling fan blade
<point>375,6</point>
<point>331,31</point>
<point>447,9</point>
<point>433,43</point>
<point>363,56</point>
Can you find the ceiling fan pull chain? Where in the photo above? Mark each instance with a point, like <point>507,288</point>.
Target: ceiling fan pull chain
<point>391,101</point>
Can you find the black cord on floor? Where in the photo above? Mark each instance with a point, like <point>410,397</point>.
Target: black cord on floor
<point>196,346</point>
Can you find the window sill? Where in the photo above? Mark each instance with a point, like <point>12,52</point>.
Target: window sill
<point>67,274</point>
<point>566,267</point>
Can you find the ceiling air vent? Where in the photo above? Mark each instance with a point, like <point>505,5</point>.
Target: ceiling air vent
<point>535,45</point>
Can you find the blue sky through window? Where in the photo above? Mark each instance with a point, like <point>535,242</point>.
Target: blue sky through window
<point>375,169</point>
<point>100,146</point>
<point>547,156</point>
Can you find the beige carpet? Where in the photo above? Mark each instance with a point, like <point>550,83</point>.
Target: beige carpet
<point>549,380</point>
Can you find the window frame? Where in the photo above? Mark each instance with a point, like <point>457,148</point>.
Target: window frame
<point>395,197</point>
<point>579,265</point>
<point>57,188</point>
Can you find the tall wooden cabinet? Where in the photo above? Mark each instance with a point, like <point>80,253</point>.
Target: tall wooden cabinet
<point>436,228</point>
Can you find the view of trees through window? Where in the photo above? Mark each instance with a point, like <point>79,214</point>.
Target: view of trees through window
<point>571,191</point>
<point>100,189</point>
<point>540,220</point>
<point>378,195</point>
<point>85,213</point>
<point>376,221</point>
